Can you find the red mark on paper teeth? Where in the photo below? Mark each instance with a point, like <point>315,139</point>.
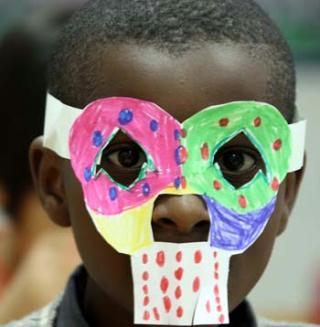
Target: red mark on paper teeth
<point>208,306</point>
<point>275,184</point>
<point>179,312</point>
<point>221,319</point>
<point>164,284</point>
<point>219,308</point>
<point>216,290</point>
<point>216,275</point>
<point>178,273</point>
<point>216,266</point>
<point>277,144</point>
<point>179,256</point>
<point>178,292</point>
<point>145,289</point>
<point>218,300</point>
<point>196,284</point>
<point>257,122</point>
<point>146,315</point>
<point>205,151</point>
<point>217,185</point>
<point>224,122</point>
<point>146,300</point>
<point>167,303</point>
<point>145,276</point>
<point>197,256</point>
<point>160,258</point>
<point>215,254</point>
<point>156,313</point>
<point>242,201</point>
<point>145,258</point>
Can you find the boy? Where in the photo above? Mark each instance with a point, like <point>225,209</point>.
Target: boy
<point>183,55</point>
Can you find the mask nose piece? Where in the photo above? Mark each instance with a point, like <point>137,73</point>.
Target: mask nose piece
<point>180,218</point>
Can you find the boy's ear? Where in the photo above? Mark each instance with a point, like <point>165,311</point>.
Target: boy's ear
<point>292,184</point>
<point>47,173</point>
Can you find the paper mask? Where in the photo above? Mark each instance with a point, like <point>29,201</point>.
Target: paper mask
<point>180,159</point>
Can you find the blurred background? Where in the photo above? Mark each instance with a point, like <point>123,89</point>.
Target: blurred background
<point>290,288</point>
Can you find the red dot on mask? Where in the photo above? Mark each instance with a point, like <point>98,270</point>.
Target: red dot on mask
<point>277,144</point>
<point>197,256</point>
<point>205,151</point>
<point>178,292</point>
<point>242,201</point>
<point>219,308</point>
<point>216,266</point>
<point>156,313</point>
<point>160,259</point>
<point>275,184</point>
<point>179,312</point>
<point>216,275</point>
<point>218,300</point>
<point>167,303</point>
<point>216,290</point>
<point>183,133</point>
<point>179,256</point>
<point>164,284</point>
<point>146,300</point>
<point>196,284</point>
<point>217,185</point>
<point>215,254</point>
<point>146,315</point>
<point>221,319</point>
<point>183,182</point>
<point>224,122</point>
<point>145,289</point>
<point>257,122</point>
<point>208,306</point>
<point>178,273</point>
<point>145,276</point>
<point>145,258</point>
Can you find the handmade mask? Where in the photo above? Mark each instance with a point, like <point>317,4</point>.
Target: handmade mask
<point>180,158</point>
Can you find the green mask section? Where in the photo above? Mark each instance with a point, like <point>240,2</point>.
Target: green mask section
<point>215,126</point>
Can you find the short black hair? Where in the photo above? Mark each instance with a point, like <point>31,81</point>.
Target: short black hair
<point>172,25</point>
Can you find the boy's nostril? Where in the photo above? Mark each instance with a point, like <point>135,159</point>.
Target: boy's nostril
<point>202,225</point>
<point>166,222</point>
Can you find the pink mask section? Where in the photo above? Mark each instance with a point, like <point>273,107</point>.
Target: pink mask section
<point>148,125</point>
<point>180,284</point>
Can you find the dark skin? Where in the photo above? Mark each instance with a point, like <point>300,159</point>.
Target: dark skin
<point>181,85</point>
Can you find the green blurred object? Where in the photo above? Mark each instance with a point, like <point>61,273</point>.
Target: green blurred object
<point>300,22</point>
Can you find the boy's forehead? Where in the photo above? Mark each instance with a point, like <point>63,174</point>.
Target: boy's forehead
<point>181,84</point>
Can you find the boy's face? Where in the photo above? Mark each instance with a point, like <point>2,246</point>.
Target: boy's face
<point>182,85</point>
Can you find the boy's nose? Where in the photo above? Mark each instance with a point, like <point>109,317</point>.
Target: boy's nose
<point>180,218</point>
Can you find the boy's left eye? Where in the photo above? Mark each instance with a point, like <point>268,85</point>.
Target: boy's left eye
<point>235,161</point>
<point>129,157</point>
<point>239,165</point>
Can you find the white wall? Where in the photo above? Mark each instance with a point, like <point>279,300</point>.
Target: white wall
<point>289,281</point>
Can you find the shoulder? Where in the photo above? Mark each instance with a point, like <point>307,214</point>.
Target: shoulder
<point>268,323</point>
<point>42,318</point>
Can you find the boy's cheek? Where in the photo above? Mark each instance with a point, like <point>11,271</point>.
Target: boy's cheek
<point>97,255</point>
<point>247,268</point>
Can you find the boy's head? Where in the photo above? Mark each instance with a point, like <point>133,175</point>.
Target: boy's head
<point>183,55</point>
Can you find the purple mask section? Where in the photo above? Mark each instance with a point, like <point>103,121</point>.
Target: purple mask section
<point>233,231</point>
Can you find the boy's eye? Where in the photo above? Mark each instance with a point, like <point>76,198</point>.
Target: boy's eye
<point>239,165</point>
<point>123,162</point>
<point>128,156</point>
<point>234,161</point>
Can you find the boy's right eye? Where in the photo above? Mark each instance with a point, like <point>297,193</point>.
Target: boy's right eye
<point>123,162</point>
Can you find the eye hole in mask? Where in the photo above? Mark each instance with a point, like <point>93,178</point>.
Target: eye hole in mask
<point>123,160</point>
<point>239,161</point>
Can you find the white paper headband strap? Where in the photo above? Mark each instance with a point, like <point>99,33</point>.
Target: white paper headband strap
<point>60,117</point>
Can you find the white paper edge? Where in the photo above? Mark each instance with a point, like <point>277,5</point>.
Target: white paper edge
<point>298,138</point>
<point>59,119</point>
